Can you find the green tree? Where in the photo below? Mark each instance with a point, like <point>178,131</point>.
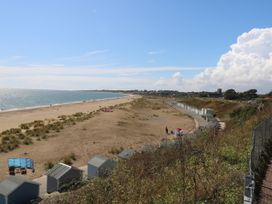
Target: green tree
<point>250,94</point>
<point>231,94</point>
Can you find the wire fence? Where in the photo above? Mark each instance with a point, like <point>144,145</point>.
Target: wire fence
<point>261,134</point>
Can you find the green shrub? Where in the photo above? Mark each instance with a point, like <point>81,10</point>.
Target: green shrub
<point>68,161</point>
<point>72,156</point>
<point>115,150</point>
<point>242,114</point>
<point>48,165</point>
<point>25,126</point>
<point>27,141</point>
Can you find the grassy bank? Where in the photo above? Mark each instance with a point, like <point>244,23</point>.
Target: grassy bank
<point>207,169</point>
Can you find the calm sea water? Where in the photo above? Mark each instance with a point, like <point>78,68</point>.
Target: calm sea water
<point>19,98</point>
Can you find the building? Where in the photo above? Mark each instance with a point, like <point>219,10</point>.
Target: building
<point>16,189</point>
<point>100,165</point>
<point>166,143</point>
<point>61,176</point>
<point>126,154</point>
<point>219,91</point>
<point>147,148</point>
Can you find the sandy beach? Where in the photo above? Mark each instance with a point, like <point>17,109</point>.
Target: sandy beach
<point>12,119</point>
<point>130,125</point>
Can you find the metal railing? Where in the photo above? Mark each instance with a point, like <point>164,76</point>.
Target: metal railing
<point>261,134</point>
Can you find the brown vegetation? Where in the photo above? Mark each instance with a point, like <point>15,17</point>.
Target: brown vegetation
<point>207,169</point>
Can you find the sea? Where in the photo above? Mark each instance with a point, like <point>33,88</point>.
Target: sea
<point>14,99</point>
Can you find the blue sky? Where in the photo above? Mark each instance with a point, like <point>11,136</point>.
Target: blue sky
<point>182,36</point>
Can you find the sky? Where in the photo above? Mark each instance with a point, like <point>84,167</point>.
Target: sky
<point>185,45</point>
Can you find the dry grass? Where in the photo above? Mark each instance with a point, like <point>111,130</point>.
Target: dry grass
<point>39,129</point>
<point>207,169</point>
<point>97,135</point>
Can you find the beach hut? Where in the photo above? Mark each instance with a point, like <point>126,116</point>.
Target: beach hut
<point>62,176</point>
<point>165,143</point>
<point>126,154</point>
<point>147,148</point>
<point>16,189</point>
<point>99,165</point>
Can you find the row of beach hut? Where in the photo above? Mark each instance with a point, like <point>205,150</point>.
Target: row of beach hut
<point>17,189</point>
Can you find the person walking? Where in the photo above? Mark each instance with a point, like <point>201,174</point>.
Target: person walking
<point>166,130</point>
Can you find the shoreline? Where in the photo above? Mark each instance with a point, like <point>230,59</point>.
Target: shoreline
<point>13,118</point>
<point>61,104</point>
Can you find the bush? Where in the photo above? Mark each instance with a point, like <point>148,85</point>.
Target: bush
<point>242,114</point>
<point>48,165</point>
<point>27,141</point>
<point>73,156</point>
<point>68,161</point>
<point>25,126</point>
<point>115,150</point>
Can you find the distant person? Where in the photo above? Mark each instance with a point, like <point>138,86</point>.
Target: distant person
<point>166,130</point>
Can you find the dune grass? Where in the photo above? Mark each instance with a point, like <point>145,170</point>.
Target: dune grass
<point>39,129</point>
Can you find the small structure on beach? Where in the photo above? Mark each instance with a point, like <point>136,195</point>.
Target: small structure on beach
<point>20,165</point>
<point>100,165</point>
<point>16,189</point>
<point>61,176</point>
<point>165,143</point>
<point>126,154</point>
<point>147,148</point>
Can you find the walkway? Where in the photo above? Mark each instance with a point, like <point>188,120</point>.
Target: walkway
<point>266,191</point>
<point>199,120</point>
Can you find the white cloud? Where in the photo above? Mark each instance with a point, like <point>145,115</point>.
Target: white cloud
<point>61,70</point>
<point>85,56</point>
<point>248,64</point>
<point>156,52</point>
<point>96,77</point>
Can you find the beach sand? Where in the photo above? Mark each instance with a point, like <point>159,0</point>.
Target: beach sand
<point>12,119</point>
<point>128,126</point>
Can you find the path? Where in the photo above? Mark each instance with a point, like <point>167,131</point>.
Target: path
<point>199,121</point>
<point>266,190</point>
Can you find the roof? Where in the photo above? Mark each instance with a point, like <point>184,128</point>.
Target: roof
<point>20,163</point>
<point>147,148</point>
<point>167,143</point>
<point>98,160</point>
<point>126,153</point>
<point>59,170</point>
<point>12,183</point>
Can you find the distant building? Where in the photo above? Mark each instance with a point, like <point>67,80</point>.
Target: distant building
<point>100,165</point>
<point>219,91</point>
<point>126,154</point>
<point>16,189</point>
<point>62,176</point>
